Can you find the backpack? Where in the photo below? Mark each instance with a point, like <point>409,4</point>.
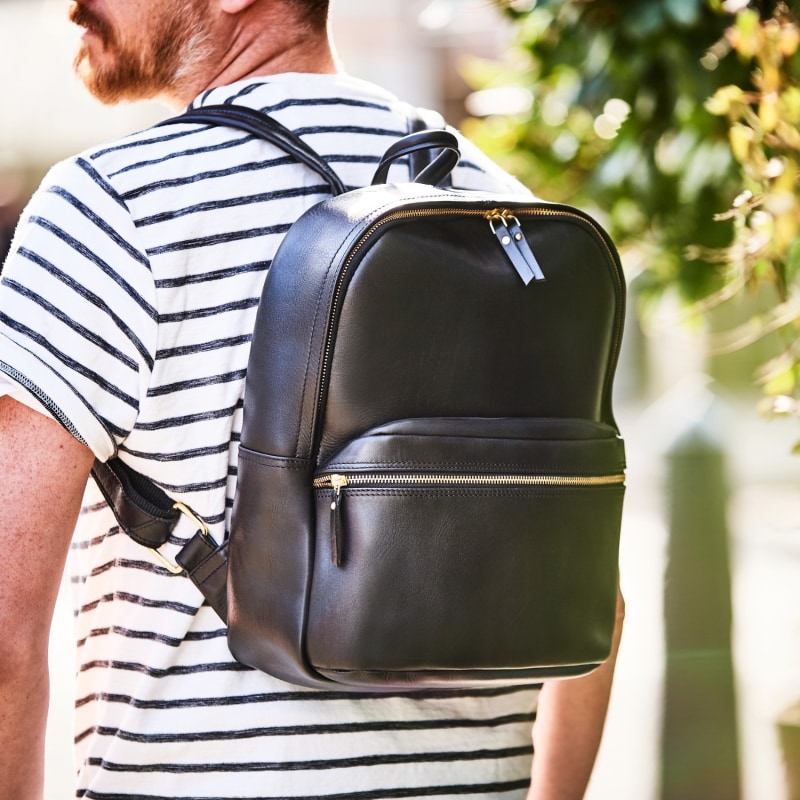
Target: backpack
<point>430,477</point>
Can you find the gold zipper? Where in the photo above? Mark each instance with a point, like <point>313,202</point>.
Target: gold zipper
<point>491,215</point>
<point>337,482</point>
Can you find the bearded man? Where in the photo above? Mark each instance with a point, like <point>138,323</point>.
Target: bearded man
<point>126,307</point>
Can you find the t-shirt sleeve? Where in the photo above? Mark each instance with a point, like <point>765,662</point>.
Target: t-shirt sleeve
<point>77,307</point>
<point>10,389</point>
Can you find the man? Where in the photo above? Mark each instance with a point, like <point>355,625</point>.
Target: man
<point>125,309</point>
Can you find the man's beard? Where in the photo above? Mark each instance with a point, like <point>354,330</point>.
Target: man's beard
<point>142,67</point>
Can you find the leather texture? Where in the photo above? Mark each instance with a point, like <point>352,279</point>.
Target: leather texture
<point>477,445</point>
<point>419,546</point>
<point>481,333</point>
<point>143,511</point>
<point>447,156</point>
<point>394,334</point>
<point>148,516</point>
<point>444,579</point>
<point>206,564</point>
<point>420,119</point>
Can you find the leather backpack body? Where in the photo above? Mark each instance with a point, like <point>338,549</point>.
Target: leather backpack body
<point>430,476</point>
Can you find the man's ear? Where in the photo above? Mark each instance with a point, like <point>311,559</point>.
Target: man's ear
<point>235,6</point>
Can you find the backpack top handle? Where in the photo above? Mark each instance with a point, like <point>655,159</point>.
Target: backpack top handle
<point>439,167</point>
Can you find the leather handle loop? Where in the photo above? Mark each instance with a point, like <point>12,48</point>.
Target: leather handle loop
<point>259,124</point>
<point>439,168</point>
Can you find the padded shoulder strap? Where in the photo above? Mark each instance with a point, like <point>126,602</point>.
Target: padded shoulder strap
<point>143,511</point>
<point>262,125</point>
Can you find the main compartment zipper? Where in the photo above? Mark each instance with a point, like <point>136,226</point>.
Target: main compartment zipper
<point>337,483</point>
<point>523,258</point>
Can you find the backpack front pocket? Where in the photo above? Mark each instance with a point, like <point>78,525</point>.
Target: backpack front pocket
<point>467,544</point>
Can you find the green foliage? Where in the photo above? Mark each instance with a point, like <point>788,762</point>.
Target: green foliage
<point>677,122</point>
<point>763,121</point>
<point>617,122</point>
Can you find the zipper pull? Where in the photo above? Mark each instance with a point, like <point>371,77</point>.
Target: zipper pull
<point>515,245</point>
<point>338,482</point>
<point>515,229</point>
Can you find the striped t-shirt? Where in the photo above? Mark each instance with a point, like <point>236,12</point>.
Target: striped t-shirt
<point>126,308</point>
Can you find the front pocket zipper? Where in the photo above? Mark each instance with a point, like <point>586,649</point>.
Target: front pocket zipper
<point>337,483</point>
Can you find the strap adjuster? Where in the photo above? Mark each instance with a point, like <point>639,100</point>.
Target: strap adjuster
<point>199,523</point>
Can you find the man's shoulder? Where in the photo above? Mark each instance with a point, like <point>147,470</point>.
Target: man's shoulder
<point>305,102</point>
<point>329,110</point>
<point>91,178</point>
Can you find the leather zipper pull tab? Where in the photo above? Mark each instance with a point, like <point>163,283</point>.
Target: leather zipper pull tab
<point>338,482</point>
<point>506,228</point>
<point>521,243</point>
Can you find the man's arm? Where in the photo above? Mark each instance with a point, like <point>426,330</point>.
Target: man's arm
<point>43,472</point>
<point>569,726</point>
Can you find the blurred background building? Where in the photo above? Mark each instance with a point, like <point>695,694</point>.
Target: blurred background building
<point>669,392</point>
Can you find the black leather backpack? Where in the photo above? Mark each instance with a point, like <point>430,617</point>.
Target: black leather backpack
<point>430,474</point>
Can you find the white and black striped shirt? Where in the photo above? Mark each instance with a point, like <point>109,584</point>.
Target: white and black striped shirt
<point>126,308</point>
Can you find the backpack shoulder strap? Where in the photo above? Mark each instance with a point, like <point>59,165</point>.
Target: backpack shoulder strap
<point>265,127</point>
<point>144,512</point>
<point>148,516</point>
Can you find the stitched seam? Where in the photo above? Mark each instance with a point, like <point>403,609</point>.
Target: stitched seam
<point>527,466</point>
<point>513,438</point>
<point>151,524</point>
<point>308,366</point>
<point>257,460</point>
<point>490,492</point>
<point>204,578</point>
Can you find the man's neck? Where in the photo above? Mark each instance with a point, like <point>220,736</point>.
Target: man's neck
<point>257,50</point>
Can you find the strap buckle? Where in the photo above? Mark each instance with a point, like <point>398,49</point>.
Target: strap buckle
<point>201,526</point>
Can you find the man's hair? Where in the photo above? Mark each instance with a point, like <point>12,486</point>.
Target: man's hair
<point>315,12</point>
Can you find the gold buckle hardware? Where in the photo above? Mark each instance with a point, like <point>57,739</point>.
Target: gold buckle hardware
<point>201,526</point>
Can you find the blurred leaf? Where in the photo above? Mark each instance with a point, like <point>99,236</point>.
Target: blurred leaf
<point>679,125</point>
<point>781,384</point>
<point>684,12</point>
